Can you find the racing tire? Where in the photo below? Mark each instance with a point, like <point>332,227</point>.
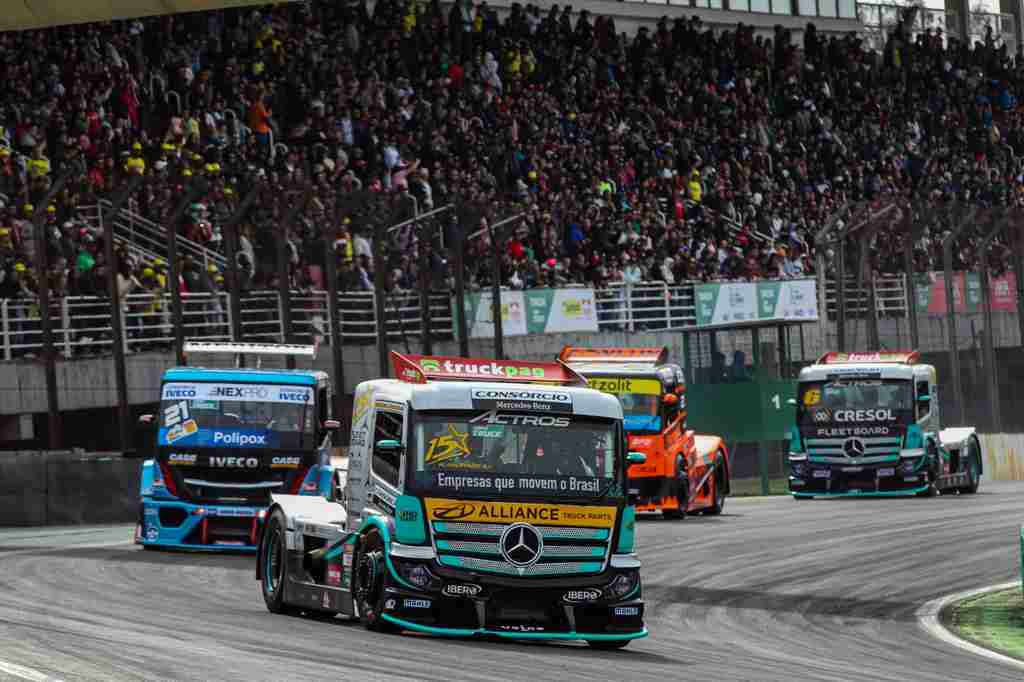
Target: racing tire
<point>973,468</point>
<point>368,582</point>
<point>607,644</point>
<point>274,555</point>
<point>681,488</point>
<point>719,504</point>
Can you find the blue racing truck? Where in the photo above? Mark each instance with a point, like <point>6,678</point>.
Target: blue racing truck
<point>224,440</point>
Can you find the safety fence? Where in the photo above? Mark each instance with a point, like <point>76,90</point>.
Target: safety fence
<point>81,324</point>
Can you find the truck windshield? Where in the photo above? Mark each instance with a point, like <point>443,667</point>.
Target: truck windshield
<point>262,416</point>
<point>640,398</point>
<point>497,454</point>
<point>845,400</point>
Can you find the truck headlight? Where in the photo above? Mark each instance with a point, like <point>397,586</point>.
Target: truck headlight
<point>622,584</point>
<point>417,574</point>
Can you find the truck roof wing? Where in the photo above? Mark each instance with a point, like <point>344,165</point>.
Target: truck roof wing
<point>240,349</point>
<point>645,356</point>
<point>889,357</point>
<point>419,369</point>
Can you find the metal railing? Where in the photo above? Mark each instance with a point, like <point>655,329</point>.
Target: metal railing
<point>82,326</point>
<point>890,293</point>
<point>146,238</point>
<point>82,323</point>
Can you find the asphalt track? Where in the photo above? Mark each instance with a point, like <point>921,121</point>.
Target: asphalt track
<point>775,589</point>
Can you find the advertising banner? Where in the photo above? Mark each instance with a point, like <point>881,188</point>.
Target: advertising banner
<point>930,293</point>
<point>733,303</point>
<point>536,311</point>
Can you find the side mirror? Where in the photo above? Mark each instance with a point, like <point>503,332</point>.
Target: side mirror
<point>388,445</point>
<point>670,399</point>
<point>791,401</point>
<point>636,458</point>
<point>145,419</point>
<point>332,424</point>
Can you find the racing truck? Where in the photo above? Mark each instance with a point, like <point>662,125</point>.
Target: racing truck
<point>869,424</point>
<point>684,472</point>
<point>224,440</point>
<point>481,498</point>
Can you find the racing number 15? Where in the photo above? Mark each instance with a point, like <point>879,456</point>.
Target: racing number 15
<point>176,413</point>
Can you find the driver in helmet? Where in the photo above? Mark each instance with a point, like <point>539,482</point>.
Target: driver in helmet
<point>561,456</point>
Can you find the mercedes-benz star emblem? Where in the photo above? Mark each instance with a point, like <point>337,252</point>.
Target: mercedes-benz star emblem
<point>521,544</point>
<point>853,447</point>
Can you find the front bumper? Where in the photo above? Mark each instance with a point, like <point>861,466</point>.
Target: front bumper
<point>182,525</point>
<point>886,479</point>
<point>547,609</point>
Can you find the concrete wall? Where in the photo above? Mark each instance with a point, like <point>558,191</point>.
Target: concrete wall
<point>63,488</point>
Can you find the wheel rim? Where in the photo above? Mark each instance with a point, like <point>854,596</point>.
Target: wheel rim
<point>272,568</point>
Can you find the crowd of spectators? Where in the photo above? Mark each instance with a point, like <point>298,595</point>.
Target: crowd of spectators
<point>679,154</point>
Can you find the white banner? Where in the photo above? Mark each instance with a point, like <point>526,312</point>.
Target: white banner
<point>257,393</point>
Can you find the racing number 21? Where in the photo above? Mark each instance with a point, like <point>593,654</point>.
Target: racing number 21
<point>176,413</point>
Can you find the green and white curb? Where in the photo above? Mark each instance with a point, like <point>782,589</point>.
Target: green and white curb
<point>928,618</point>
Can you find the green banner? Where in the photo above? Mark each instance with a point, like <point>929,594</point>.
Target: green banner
<point>738,303</point>
<point>536,311</point>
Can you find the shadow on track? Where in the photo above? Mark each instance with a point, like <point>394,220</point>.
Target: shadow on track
<point>876,609</point>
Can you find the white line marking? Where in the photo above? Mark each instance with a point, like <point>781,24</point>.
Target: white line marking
<point>23,673</point>
<point>928,617</point>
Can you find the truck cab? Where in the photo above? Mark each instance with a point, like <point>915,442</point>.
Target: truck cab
<point>869,424</point>
<point>223,440</point>
<point>482,498</point>
<point>683,473</point>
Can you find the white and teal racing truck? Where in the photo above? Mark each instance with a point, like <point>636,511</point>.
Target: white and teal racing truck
<point>869,424</point>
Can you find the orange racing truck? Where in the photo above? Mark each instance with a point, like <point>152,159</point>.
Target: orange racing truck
<point>684,472</point>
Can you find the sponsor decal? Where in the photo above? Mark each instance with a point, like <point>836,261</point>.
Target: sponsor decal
<point>359,438</point>
<point>625,385</point>
<point>416,603</point>
<point>822,473</point>
<point>869,357</point>
<point>452,445</point>
<point>521,420</point>
<point>812,397</point>
<point>849,431</point>
<point>333,574</point>
<point>238,392</point>
<point>219,462</point>
<point>627,610</point>
<point>346,560</point>
<point>578,596</point>
<point>408,515</point>
<point>504,483</point>
<point>522,628</point>
<point>539,399</point>
<point>879,415</point>
<point>295,395</point>
<point>240,439</point>
<point>285,462</point>
<point>383,497</point>
<point>512,512</point>
<point>152,533</point>
<point>361,408</point>
<point>389,604</point>
<point>461,590</point>
<point>182,430</point>
<point>488,431</point>
<point>326,603</point>
<point>182,459</point>
<point>823,415</point>
<point>489,368</point>
<point>178,392</point>
<point>891,471</point>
